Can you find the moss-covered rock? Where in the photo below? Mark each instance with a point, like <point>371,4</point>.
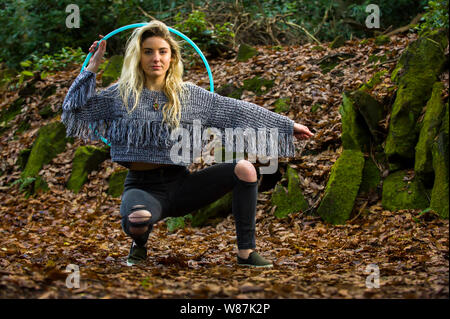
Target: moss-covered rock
<point>51,140</point>
<point>291,201</point>
<point>440,155</point>
<point>373,82</point>
<point>355,133</point>
<point>382,39</point>
<point>415,73</point>
<point>113,70</point>
<point>46,112</point>
<point>401,191</point>
<point>342,187</point>
<point>371,177</point>
<point>214,212</point>
<point>337,42</point>
<point>423,164</point>
<point>282,105</point>
<point>258,85</point>
<point>246,52</point>
<point>230,90</point>
<point>11,111</point>
<point>116,182</point>
<point>371,110</point>
<point>329,62</point>
<point>23,126</point>
<point>23,158</point>
<point>85,160</point>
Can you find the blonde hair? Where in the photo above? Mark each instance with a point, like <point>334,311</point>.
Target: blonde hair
<point>132,78</point>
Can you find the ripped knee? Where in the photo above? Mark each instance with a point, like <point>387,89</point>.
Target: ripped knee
<point>139,220</point>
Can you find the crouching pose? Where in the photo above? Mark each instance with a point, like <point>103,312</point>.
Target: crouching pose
<point>139,116</point>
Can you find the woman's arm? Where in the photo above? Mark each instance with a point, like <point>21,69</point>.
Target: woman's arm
<point>82,96</point>
<point>84,110</point>
<point>224,112</point>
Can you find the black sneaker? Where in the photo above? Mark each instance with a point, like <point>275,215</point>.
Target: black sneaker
<point>137,255</point>
<point>254,260</point>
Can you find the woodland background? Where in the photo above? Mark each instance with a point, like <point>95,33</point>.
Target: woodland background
<point>309,60</point>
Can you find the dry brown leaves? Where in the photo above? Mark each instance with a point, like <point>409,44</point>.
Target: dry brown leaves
<point>41,235</point>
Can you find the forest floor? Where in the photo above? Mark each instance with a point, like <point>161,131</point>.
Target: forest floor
<point>42,235</point>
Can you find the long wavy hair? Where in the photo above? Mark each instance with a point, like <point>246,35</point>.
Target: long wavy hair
<point>132,78</point>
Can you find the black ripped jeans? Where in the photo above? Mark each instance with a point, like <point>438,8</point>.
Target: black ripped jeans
<point>174,191</point>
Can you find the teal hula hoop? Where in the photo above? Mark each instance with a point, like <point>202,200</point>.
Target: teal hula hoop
<point>137,25</point>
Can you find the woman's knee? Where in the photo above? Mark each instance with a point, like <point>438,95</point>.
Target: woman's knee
<point>246,171</point>
<point>138,220</point>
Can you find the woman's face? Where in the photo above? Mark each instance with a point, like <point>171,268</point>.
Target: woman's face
<point>155,57</point>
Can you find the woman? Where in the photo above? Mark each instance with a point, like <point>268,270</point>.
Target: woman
<point>156,185</point>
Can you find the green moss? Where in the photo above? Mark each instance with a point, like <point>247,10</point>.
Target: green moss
<point>174,223</point>
<point>401,193</point>
<point>258,85</point>
<point>371,110</point>
<point>416,73</point>
<point>363,42</point>
<point>423,164</point>
<point>291,201</point>
<point>373,82</point>
<point>10,112</point>
<point>318,48</point>
<point>382,39</point>
<point>86,159</point>
<point>23,158</point>
<point>328,63</point>
<point>337,42</point>
<point>46,112</point>
<point>355,134</point>
<point>246,52</point>
<point>371,177</point>
<point>315,108</point>
<point>51,140</point>
<point>116,182</point>
<point>342,187</point>
<point>230,90</point>
<point>113,70</point>
<point>377,58</point>
<point>40,185</point>
<point>23,126</point>
<point>213,212</point>
<point>440,155</point>
<point>282,105</point>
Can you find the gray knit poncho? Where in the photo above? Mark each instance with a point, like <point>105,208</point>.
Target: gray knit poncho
<point>143,136</point>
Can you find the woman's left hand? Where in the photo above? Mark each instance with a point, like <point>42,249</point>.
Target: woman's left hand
<point>301,131</point>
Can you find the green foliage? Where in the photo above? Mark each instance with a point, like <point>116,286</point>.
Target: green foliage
<point>196,28</point>
<point>38,27</point>
<point>47,63</point>
<point>392,13</point>
<point>28,24</point>
<point>24,182</point>
<point>435,17</point>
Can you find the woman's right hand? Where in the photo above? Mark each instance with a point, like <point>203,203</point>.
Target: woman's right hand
<point>96,59</point>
